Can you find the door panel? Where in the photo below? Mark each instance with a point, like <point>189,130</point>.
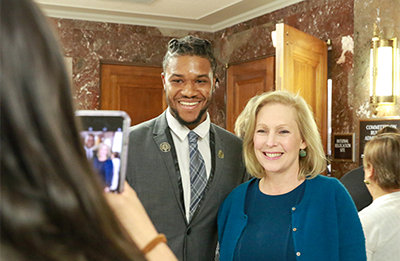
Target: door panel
<point>138,90</point>
<point>301,67</point>
<point>244,81</point>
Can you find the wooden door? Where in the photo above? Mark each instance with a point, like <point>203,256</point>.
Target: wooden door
<point>244,81</point>
<point>137,90</point>
<point>301,67</point>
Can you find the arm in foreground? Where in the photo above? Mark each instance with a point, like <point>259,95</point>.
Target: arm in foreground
<point>137,223</point>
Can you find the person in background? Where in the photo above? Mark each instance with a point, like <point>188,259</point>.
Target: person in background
<point>381,219</point>
<point>104,165</point>
<point>353,180</point>
<point>181,165</point>
<point>116,167</point>
<point>52,204</point>
<point>287,211</point>
<point>89,146</point>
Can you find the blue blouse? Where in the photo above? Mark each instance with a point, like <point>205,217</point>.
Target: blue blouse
<point>105,170</point>
<point>268,234</point>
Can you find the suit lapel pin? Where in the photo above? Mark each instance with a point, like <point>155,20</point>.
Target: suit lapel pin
<point>165,147</point>
<point>221,154</point>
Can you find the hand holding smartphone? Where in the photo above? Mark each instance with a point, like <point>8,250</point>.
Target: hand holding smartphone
<point>105,139</point>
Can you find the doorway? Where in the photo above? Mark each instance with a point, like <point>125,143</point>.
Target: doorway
<point>137,90</point>
<point>245,80</point>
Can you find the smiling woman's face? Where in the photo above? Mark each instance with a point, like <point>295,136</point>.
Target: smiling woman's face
<point>103,151</point>
<point>277,139</point>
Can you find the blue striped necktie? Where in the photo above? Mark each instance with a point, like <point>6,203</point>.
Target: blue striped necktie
<point>198,175</point>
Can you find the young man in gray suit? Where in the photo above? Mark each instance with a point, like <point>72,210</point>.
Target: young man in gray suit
<point>181,165</point>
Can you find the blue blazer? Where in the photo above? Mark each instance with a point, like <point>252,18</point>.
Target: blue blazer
<point>326,222</point>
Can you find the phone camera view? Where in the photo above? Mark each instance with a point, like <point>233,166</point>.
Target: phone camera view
<point>103,147</point>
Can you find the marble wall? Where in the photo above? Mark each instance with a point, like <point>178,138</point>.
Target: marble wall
<point>90,43</point>
<point>346,22</point>
<point>323,19</point>
<point>386,15</point>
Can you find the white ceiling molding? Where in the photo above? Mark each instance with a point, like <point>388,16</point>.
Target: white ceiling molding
<point>230,19</point>
<point>262,10</point>
<point>119,18</point>
<point>144,2</point>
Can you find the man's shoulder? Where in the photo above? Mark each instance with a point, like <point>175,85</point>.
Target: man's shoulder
<point>143,125</point>
<point>225,134</point>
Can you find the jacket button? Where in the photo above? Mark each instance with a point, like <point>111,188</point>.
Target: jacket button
<point>294,229</point>
<point>298,254</point>
<point>293,208</point>
<point>188,231</point>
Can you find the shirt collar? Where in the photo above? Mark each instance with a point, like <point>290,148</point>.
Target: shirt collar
<point>182,131</point>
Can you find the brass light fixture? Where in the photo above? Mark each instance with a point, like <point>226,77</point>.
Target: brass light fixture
<point>383,71</point>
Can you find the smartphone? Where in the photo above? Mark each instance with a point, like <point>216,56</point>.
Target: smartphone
<point>105,141</point>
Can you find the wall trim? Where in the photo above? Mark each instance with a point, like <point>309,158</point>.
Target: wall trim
<point>86,14</point>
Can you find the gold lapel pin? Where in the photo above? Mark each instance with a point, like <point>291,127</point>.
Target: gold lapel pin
<point>221,154</point>
<point>165,147</point>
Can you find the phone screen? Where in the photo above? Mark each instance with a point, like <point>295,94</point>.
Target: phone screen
<point>103,140</point>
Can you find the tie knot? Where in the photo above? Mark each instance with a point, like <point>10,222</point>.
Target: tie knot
<point>193,137</point>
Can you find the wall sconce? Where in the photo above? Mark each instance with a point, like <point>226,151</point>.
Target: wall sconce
<point>383,71</point>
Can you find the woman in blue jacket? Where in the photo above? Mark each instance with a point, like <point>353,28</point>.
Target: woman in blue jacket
<point>288,211</point>
<point>103,164</point>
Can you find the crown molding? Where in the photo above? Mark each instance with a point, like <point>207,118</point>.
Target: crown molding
<point>119,18</point>
<point>262,10</point>
<point>67,12</point>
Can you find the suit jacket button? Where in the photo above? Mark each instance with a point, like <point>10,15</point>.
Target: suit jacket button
<point>188,231</point>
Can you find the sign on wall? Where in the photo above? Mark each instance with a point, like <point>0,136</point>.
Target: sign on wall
<point>343,147</point>
<point>369,128</point>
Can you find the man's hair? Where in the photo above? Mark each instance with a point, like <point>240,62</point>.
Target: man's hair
<point>312,164</point>
<point>192,46</point>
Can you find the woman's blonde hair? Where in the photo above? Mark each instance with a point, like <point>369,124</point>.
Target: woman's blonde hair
<point>383,153</point>
<point>101,145</point>
<point>310,165</point>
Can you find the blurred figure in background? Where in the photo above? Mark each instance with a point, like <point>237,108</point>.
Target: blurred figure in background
<point>116,167</point>
<point>89,146</point>
<point>103,164</point>
<point>353,180</point>
<point>381,219</point>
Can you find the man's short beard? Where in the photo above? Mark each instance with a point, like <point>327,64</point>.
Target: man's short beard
<point>175,113</point>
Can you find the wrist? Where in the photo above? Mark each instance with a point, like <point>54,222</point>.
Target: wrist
<point>160,238</point>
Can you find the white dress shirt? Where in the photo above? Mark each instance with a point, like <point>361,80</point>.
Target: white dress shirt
<point>89,152</point>
<point>179,135</point>
<point>381,224</point>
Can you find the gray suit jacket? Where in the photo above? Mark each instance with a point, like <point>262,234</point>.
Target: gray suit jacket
<point>153,171</point>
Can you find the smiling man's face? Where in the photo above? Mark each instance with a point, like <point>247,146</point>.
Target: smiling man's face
<point>188,83</point>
